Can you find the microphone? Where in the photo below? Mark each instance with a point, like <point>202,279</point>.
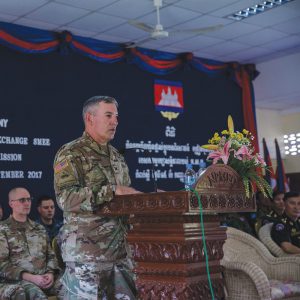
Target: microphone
<point>153,176</point>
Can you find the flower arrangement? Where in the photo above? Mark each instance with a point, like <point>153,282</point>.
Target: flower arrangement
<point>236,150</point>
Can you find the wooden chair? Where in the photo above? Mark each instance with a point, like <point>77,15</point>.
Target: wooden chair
<point>252,273</point>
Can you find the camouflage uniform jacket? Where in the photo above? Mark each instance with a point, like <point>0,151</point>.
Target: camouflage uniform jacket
<point>85,175</point>
<point>24,247</point>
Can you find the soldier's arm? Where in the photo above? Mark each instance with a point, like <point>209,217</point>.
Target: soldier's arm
<point>71,194</point>
<point>52,264</point>
<point>289,248</point>
<point>281,235</point>
<point>8,270</point>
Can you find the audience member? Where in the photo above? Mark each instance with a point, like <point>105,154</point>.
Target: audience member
<point>87,173</point>
<point>239,221</point>
<point>46,210</point>
<point>27,263</point>
<point>277,208</point>
<point>286,231</point>
<point>263,204</point>
<point>263,207</point>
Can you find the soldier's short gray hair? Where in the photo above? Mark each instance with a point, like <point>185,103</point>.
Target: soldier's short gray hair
<point>90,104</point>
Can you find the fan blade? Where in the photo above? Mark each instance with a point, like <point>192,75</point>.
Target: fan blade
<point>140,25</point>
<point>199,30</point>
<point>128,45</point>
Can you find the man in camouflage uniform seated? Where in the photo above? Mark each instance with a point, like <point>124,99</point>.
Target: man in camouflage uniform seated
<point>27,263</point>
<point>286,231</point>
<point>88,172</point>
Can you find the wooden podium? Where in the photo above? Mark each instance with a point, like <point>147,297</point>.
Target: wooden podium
<point>166,235</point>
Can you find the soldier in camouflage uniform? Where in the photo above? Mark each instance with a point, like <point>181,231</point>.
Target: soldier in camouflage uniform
<point>87,173</point>
<point>27,263</point>
<point>277,205</point>
<point>286,230</point>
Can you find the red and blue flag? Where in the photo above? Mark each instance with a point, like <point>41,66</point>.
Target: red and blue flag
<point>168,96</point>
<point>282,182</point>
<point>270,175</point>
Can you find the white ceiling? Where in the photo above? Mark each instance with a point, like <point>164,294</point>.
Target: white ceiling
<point>261,38</point>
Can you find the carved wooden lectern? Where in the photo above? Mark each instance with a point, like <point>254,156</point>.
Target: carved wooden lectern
<point>166,235</point>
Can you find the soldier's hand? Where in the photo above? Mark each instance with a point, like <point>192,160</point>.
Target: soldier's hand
<point>125,190</point>
<point>36,279</point>
<point>48,280</point>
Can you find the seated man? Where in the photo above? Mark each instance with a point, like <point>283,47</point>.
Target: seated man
<point>286,231</point>
<point>27,263</point>
<point>263,204</point>
<point>277,205</point>
<point>46,209</point>
<point>239,221</point>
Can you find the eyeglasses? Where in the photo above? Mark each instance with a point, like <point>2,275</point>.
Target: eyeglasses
<point>23,200</point>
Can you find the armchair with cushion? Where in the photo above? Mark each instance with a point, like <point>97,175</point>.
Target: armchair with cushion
<point>251,272</point>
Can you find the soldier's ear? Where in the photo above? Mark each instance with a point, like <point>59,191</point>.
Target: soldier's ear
<point>10,203</point>
<point>89,118</point>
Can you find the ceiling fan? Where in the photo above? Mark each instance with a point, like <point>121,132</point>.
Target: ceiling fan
<point>157,32</point>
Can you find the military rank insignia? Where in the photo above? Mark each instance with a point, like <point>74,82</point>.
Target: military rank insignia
<point>168,98</point>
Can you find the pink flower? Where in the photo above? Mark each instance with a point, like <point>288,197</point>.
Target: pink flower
<point>243,153</point>
<point>221,154</point>
<point>259,160</point>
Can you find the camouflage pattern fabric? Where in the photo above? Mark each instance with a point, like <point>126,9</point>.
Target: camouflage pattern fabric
<point>24,247</point>
<point>98,281</point>
<point>22,290</point>
<point>85,175</point>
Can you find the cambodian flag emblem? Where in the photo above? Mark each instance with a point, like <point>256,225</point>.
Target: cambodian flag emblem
<point>168,98</point>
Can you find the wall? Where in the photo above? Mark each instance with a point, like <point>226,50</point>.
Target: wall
<point>272,124</point>
<point>277,100</point>
<point>291,124</point>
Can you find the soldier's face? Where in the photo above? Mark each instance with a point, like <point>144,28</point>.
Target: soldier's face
<point>278,202</point>
<point>292,207</point>
<point>19,207</point>
<point>104,122</point>
<point>47,209</point>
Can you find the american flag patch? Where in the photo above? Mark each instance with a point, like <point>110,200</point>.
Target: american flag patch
<point>61,166</point>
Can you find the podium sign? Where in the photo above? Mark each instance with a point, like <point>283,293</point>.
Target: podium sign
<point>221,190</point>
<point>166,235</point>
